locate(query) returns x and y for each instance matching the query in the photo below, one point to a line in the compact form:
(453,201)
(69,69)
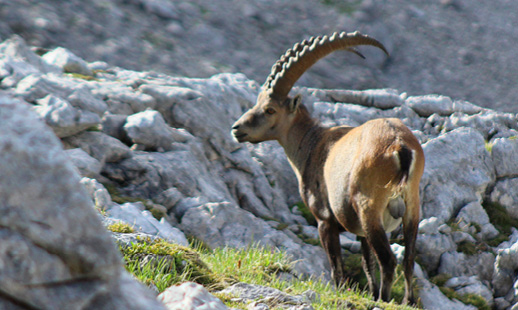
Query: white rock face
(451,177)
(190,296)
(51,232)
(166,140)
(67,60)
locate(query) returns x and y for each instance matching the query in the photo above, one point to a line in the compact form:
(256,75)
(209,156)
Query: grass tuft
(121,227)
(306,213)
(160,264)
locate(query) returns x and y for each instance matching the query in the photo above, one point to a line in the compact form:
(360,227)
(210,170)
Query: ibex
(364,179)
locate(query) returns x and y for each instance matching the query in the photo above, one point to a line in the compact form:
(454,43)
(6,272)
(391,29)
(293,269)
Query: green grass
(489,146)
(160,264)
(306,213)
(82,76)
(470,299)
(121,227)
(499,217)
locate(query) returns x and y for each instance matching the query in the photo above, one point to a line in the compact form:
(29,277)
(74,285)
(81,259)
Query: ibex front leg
(329,237)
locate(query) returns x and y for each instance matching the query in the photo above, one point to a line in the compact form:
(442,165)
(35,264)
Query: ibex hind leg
(369,267)
(377,239)
(410,227)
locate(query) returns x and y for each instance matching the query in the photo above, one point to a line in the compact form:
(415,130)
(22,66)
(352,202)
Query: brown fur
(347,177)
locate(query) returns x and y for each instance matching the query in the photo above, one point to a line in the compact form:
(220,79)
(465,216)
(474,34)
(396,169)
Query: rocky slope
(459,48)
(166,140)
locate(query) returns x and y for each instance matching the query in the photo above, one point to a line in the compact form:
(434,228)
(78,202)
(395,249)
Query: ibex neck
(300,141)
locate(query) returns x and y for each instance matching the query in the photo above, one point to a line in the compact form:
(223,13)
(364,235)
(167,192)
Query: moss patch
(306,213)
(162,264)
(121,227)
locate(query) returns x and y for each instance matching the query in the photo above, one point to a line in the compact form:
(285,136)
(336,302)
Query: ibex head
(275,111)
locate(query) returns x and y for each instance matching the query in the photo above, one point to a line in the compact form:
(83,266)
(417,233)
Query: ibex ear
(295,103)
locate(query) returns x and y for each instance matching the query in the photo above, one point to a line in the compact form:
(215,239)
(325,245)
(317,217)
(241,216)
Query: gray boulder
(505,193)
(459,264)
(100,146)
(244,292)
(64,118)
(474,213)
(68,61)
(56,253)
(433,299)
(190,296)
(452,178)
(431,104)
(504,275)
(470,285)
(225,224)
(431,247)
(135,215)
(100,196)
(505,156)
(86,165)
(149,129)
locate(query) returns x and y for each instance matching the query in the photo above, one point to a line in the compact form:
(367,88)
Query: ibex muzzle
(364,179)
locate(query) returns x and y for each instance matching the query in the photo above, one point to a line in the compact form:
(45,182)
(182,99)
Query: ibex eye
(270,111)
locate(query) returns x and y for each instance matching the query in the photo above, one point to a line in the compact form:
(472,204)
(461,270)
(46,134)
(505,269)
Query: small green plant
(161,264)
(499,217)
(489,146)
(467,248)
(306,213)
(82,76)
(152,261)
(471,299)
(121,227)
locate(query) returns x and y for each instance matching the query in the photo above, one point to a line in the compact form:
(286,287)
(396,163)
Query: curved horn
(290,67)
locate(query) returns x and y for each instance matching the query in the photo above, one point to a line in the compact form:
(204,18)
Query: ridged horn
(290,67)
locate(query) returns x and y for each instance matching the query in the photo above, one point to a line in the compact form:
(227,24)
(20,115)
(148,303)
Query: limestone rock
(505,156)
(452,178)
(100,196)
(432,298)
(506,195)
(431,247)
(470,285)
(86,165)
(224,224)
(68,61)
(52,235)
(63,118)
(100,146)
(190,296)
(149,129)
(135,215)
(431,104)
(260,294)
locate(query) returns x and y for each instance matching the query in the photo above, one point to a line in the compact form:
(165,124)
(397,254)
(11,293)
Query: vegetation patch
(157,211)
(121,227)
(306,213)
(160,264)
(470,299)
(499,217)
(357,278)
(82,76)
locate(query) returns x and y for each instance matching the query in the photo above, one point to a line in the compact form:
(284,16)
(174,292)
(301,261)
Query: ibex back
(365,179)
